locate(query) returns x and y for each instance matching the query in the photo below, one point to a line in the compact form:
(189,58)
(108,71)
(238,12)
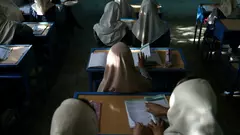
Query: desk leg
(195,33)
(90,82)
(199,36)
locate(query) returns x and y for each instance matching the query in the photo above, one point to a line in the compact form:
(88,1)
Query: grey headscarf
(110,29)
(74,117)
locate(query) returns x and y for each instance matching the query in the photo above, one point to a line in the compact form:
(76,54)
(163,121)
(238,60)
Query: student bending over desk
(11,10)
(13,32)
(110,29)
(126,10)
(192,111)
(43,10)
(227,9)
(149,28)
(74,117)
(121,75)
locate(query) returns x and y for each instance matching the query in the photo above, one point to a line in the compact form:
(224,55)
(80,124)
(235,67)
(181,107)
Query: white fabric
(7,27)
(228,6)
(126,9)
(42,6)
(193,106)
(149,27)
(110,29)
(11,10)
(74,117)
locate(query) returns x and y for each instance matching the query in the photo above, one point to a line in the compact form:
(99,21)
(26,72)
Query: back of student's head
(74,117)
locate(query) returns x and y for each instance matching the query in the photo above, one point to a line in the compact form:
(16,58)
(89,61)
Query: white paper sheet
(146,50)
(98,60)
(136,111)
(135,58)
(4,53)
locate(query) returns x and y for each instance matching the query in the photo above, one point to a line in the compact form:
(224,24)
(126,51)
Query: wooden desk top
(177,58)
(113,119)
(18,52)
(231,24)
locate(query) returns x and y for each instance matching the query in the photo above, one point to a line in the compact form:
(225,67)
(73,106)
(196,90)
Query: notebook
(38,29)
(97,106)
(136,110)
(4,52)
(100,59)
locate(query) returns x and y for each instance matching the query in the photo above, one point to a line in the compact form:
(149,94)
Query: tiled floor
(73,76)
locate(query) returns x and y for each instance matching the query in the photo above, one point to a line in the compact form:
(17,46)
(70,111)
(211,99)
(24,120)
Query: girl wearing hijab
(121,75)
(110,30)
(13,32)
(192,111)
(74,117)
(11,10)
(126,9)
(149,28)
(227,9)
(43,10)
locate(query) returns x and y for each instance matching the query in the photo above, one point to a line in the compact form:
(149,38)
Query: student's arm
(144,73)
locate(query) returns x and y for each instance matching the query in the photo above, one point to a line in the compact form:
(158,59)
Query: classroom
(119,67)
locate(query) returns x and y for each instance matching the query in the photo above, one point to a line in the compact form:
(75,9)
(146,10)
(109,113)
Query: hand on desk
(140,129)
(157,128)
(141,60)
(156,109)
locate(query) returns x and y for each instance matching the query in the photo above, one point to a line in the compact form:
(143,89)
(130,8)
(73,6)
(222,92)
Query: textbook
(97,106)
(99,59)
(4,52)
(137,111)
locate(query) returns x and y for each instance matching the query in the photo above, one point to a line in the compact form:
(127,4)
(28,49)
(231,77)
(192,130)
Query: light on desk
(114,109)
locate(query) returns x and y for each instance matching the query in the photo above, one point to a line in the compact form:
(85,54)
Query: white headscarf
(120,74)
(110,29)
(7,27)
(11,10)
(149,27)
(193,106)
(42,6)
(74,117)
(228,6)
(126,10)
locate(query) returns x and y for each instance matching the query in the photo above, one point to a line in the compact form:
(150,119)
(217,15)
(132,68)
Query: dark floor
(73,76)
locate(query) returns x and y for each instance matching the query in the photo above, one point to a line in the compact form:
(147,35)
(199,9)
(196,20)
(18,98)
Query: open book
(100,59)
(136,110)
(4,52)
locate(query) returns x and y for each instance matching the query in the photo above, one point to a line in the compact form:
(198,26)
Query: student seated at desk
(74,117)
(227,9)
(193,107)
(149,28)
(13,32)
(121,75)
(110,29)
(11,10)
(126,10)
(43,10)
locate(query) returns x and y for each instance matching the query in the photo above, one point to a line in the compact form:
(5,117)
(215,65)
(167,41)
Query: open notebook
(4,52)
(100,59)
(136,110)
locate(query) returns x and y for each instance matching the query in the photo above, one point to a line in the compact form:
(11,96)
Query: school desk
(162,78)
(113,119)
(46,30)
(17,66)
(203,11)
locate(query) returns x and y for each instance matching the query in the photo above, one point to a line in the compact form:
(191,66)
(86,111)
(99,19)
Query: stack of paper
(136,110)
(4,52)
